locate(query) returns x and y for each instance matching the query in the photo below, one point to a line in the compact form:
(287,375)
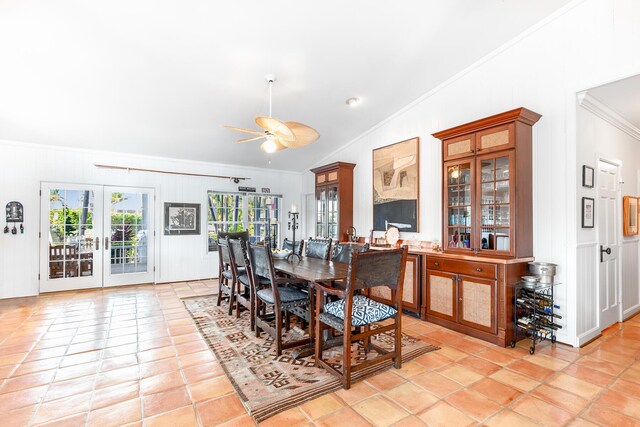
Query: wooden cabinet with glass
(334,200)
(484,162)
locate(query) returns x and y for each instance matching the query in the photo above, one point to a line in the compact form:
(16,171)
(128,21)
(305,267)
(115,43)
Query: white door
(608,241)
(93,236)
(70,237)
(129,235)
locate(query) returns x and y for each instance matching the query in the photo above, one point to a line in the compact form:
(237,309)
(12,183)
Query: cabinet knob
(478,269)
(461,299)
(436,263)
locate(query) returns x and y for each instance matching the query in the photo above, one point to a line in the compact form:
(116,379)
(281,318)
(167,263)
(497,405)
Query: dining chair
(243,289)
(288,245)
(226,275)
(318,248)
(355,311)
(342,251)
(279,295)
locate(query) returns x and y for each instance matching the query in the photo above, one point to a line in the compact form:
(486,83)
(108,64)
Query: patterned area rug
(268,384)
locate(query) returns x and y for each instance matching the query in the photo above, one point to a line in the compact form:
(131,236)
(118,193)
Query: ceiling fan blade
(277,142)
(304,134)
(251,131)
(275,127)
(251,139)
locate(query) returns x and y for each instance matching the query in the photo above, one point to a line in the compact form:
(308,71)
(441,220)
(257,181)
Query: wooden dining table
(313,270)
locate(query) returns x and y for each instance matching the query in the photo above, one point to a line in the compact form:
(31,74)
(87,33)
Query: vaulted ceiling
(160,77)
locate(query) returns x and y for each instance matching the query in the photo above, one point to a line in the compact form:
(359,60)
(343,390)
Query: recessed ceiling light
(353,101)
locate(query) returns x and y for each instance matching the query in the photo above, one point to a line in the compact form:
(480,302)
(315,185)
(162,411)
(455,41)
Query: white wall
(25,166)
(599,138)
(585,44)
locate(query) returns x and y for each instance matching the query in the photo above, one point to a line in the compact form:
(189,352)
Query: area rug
(268,384)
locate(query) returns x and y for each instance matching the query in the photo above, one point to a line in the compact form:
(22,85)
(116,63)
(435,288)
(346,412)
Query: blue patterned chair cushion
(287,295)
(364,311)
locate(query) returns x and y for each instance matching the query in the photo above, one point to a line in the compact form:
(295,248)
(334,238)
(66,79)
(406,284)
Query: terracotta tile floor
(132,356)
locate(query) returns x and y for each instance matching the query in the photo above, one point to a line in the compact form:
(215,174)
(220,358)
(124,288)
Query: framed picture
(588,212)
(630,215)
(587,176)
(396,186)
(181,219)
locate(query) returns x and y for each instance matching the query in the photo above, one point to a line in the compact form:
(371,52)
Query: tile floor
(132,356)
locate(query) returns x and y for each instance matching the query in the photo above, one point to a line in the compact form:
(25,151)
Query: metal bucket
(544,270)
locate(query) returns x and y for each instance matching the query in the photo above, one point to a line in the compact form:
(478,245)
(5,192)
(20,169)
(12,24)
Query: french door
(93,236)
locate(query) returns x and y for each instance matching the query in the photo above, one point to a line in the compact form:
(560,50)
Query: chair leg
(278,328)
(367,340)
(252,311)
(397,361)
(318,328)
(287,321)
(231,299)
(346,358)
(258,304)
(220,282)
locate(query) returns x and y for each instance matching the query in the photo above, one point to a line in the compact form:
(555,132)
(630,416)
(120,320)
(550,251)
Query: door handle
(603,251)
(97,243)
(106,243)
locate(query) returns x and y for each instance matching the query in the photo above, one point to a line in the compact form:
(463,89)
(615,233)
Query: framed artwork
(630,215)
(181,219)
(588,212)
(587,176)
(396,186)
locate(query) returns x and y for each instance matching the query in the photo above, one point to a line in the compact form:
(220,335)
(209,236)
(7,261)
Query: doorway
(609,243)
(93,236)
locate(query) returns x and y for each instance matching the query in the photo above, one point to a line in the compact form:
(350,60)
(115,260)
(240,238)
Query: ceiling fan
(278,135)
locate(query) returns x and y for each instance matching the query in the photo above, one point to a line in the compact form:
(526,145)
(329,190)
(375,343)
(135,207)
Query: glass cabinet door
(321,212)
(494,202)
(459,213)
(332,212)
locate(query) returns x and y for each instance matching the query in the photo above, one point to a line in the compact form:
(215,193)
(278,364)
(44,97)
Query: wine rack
(533,314)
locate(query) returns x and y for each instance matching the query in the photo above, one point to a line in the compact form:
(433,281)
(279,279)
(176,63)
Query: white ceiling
(622,97)
(160,77)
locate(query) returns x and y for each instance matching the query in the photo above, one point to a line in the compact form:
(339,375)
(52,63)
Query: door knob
(604,251)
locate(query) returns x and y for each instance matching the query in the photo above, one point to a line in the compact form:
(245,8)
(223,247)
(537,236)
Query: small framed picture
(181,218)
(587,176)
(588,212)
(630,215)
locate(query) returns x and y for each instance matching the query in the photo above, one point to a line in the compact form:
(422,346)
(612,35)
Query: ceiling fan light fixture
(269,145)
(353,101)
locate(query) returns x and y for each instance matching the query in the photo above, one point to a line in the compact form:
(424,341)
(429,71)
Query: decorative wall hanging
(181,219)
(587,176)
(588,205)
(15,214)
(630,215)
(396,186)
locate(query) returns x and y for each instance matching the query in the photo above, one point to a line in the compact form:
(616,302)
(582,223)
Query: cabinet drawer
(469,268)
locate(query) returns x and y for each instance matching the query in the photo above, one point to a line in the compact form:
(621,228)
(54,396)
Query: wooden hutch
(487,225)
(334,200)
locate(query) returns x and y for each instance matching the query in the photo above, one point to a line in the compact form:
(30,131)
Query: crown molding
(601,110)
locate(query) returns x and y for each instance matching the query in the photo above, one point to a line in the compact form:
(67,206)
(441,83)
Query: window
(230,212)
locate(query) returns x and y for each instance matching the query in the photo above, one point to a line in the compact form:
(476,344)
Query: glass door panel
(321,212)
(495,203)
(332,214)
(71,232)
(459,216)
(129,226)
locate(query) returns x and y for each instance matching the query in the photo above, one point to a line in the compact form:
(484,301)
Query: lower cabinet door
(441,295)
(477,303)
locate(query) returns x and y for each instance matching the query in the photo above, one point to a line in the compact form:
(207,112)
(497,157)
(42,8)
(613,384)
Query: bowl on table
(280,253)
